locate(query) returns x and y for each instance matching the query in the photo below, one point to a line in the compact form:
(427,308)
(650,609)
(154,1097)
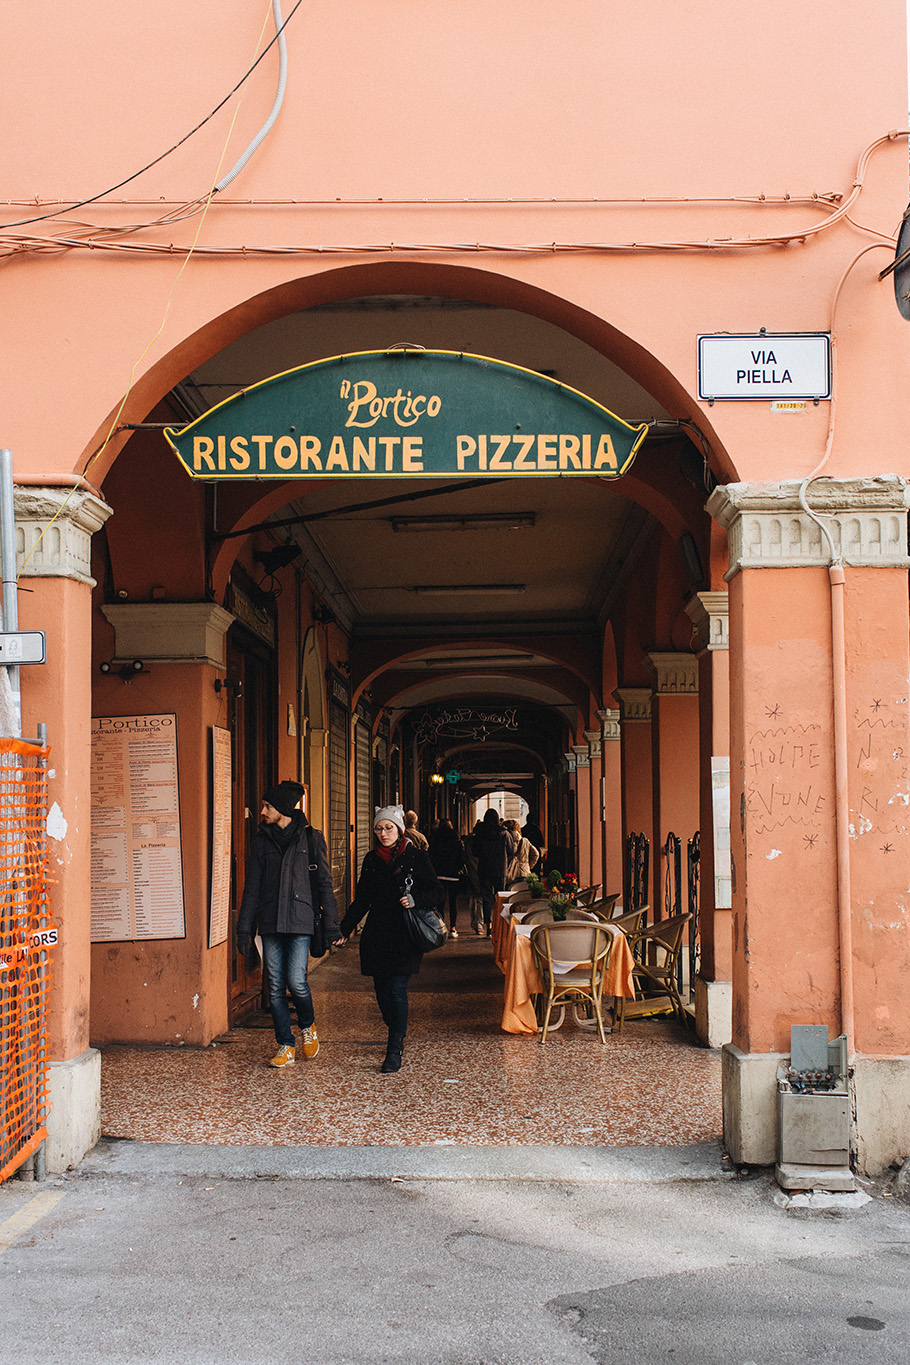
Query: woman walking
(387,953)
(447,857)
(523,855)
(493,849)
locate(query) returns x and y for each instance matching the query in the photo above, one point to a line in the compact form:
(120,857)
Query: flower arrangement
(563,889)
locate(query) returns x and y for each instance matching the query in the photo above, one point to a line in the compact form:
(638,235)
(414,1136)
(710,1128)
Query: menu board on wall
(137,866)
(221,836)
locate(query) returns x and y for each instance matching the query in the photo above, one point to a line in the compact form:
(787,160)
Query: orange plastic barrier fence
(26,938)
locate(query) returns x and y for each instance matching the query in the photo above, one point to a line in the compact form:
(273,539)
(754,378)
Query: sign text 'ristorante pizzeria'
(406,412)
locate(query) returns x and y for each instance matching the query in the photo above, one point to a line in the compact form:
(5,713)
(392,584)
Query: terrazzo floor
(463,1079)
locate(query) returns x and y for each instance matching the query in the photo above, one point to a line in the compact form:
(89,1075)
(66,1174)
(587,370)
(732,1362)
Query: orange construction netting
(26,937)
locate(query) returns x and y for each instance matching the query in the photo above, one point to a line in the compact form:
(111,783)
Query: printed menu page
(137,865)
(221,836)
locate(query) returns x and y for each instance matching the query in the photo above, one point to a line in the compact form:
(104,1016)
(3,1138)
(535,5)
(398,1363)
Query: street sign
(763,365)
(22,647)
(453,776)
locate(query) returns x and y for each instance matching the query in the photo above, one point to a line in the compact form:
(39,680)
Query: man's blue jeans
(285,958)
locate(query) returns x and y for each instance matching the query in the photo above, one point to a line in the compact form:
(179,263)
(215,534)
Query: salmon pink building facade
(680,214)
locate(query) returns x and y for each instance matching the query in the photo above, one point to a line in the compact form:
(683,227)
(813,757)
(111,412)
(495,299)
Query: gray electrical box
(814,1113)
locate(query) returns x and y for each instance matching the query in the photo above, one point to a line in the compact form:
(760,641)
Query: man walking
(288,889)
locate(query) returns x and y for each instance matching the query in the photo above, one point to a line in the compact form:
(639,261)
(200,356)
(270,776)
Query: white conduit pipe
(279,99)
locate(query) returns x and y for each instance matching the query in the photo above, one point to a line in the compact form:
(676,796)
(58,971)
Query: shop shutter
(338,798)
(363,818)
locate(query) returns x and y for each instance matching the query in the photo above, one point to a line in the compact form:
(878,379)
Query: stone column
(54,527)
(583,812)
(635,749)
(611,763)
(674,752)
(571,789)
(709,612)
(790,954)
(596,793)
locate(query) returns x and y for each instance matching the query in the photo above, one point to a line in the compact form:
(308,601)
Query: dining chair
(587,895)
(631,923)
(656,950)
(605,906)
(572,958)
(534,913)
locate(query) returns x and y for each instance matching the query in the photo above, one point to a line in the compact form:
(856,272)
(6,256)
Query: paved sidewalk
(442,1256)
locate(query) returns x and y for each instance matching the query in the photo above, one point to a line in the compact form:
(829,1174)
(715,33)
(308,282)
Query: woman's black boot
(393,1053)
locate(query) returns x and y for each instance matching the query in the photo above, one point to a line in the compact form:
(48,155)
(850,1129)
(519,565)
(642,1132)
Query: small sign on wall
(762,365)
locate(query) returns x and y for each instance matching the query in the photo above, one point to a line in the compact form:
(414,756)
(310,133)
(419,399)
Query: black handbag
(318,944)
(425,927)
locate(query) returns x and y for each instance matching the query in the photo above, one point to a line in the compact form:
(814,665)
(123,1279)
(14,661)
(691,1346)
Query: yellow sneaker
(284,1056)
(310,1043)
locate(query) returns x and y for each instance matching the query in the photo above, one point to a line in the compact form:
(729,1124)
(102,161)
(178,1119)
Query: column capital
(675,674)
(571,760)
(767,527)
(609,723)
(169,632)
(582,755)
(54,529)
(634,704)
(594,739)
(709,613)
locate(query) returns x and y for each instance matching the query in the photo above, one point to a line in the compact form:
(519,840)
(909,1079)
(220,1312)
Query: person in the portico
(288,866)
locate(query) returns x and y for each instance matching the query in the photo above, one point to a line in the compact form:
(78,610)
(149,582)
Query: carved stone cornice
(634,704)
(609,724)
(675,674)
(169,632)
(594,741)
(767,527)
(582,756)
(710,616)
(54,529)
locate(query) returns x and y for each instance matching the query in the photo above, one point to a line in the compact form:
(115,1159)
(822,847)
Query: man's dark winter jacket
(277,897)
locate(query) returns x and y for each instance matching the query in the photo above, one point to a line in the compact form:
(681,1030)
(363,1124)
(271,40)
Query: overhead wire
(115,421)
(81,203)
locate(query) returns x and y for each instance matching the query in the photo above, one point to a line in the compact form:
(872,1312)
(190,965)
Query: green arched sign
(406,412)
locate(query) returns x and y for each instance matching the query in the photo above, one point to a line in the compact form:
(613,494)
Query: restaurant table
(523,979)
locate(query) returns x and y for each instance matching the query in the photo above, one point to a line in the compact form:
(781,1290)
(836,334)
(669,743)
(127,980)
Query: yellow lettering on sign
(222,452)
(389,443)
(465,447)
(240,457)
(337,457)
(412,455)
(482,451)
(285,452)
(586,451)
(569,447)
(526,444)
(546,452)
(202,450)
(262,442)
(365,453)
(310,447)
(606,455)
(502,444)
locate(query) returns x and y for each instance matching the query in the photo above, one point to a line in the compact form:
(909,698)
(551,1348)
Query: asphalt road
(222,1255)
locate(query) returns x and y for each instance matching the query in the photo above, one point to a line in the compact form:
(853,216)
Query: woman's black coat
(385,945)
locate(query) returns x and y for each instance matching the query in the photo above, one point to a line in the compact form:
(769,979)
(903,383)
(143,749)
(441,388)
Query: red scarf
(387,854)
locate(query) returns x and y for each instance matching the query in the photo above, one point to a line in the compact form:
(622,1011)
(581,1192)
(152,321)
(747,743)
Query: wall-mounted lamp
(437,779)
(229,685)
(126,672)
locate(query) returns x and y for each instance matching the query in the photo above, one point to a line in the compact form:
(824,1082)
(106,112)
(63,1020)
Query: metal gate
(26,937)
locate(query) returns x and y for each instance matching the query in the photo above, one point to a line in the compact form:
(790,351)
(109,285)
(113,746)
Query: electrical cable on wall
(279,39)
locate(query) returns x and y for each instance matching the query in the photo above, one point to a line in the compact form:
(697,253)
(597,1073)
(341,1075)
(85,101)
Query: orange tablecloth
(523,978)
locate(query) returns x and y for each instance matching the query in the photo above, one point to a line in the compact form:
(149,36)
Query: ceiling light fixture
(483,521)
(468,589)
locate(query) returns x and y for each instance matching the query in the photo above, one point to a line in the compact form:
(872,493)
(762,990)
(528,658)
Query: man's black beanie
(284,797)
